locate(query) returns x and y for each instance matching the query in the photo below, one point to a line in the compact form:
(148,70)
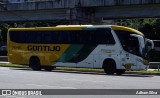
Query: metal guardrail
(155,64)
(3,58)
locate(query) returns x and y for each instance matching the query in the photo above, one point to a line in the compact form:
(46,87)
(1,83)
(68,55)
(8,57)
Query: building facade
(21,1)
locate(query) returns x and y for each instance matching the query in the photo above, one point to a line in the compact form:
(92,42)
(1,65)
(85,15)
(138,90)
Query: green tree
(149,26)
(0,35)
(4,29)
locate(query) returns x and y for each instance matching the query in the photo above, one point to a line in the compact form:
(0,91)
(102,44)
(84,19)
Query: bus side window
(63,37)
(39,38)
(110,38)
(47,37)
(91,37)
(30,39)
(132,45)
(80,37)
(77,37)
(55,37)
(73,37)
(21,37)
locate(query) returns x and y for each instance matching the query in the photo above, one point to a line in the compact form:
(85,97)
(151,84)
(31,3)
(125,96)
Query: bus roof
(116,27)
(78,27)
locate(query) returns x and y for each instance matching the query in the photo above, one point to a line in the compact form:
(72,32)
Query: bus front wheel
(109,67)
(34,63)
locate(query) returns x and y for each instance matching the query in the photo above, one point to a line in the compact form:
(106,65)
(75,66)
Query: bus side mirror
(149,45)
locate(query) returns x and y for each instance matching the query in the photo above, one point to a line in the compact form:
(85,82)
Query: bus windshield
(131,42)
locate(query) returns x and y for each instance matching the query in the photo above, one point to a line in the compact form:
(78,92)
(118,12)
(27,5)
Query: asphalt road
(19,78)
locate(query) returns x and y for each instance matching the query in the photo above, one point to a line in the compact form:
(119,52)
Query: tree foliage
(149,26)
(3,32)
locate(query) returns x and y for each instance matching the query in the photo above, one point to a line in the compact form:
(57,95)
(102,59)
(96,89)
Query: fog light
(128,66)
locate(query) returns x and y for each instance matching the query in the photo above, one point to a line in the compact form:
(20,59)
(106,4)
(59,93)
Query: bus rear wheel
(34,63)
(120,71)
(49,68)
(109,67)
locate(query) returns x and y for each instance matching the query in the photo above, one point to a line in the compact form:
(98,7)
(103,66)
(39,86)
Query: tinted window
(128,42)
(99,36)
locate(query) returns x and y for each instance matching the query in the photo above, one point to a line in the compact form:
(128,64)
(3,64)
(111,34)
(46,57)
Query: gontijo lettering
(43,48)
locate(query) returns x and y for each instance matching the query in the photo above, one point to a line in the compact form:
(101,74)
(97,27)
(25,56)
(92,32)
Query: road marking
(83,80)
(56,87)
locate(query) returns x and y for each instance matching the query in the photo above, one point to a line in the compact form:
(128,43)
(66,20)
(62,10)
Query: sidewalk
(4,62)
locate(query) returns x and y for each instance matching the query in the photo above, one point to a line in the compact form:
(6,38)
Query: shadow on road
(82,72)
(137,75)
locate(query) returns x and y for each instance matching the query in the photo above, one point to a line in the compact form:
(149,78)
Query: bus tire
(109,67)
(49,68)
(120,71)
(34,63)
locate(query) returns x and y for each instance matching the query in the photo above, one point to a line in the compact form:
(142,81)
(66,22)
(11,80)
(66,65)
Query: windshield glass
(142,45)
(131,42)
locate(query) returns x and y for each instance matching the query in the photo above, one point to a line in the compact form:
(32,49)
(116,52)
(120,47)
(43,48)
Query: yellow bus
(111,47)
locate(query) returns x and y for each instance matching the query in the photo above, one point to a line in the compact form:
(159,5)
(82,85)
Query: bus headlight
(143,61)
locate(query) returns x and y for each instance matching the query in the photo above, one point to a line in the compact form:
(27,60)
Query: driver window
(132,45)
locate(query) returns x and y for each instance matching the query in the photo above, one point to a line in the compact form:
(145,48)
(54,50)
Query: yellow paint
(48,28)
(116,27)
(19,54)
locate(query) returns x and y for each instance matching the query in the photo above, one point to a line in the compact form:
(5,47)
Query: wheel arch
(34,57)
(31,57)
(109,59)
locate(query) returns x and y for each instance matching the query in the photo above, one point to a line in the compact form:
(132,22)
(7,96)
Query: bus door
(139,48)
(133,50)
(88,62)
